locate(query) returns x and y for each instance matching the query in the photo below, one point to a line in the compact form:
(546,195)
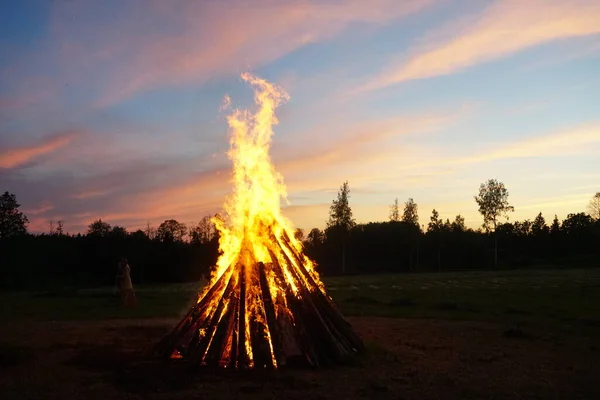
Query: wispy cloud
(16,157)
(572,142)
(151,44)
(371,141)
(575,202)
(576,141)
(504,28)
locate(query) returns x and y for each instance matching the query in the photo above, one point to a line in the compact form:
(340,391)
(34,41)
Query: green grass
(563,299)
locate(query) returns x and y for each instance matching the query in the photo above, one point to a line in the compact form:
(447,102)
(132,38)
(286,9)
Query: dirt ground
(407,359)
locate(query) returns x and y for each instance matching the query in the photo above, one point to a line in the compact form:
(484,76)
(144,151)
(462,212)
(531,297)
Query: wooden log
(198,353)
(233,358)
(333,317)
(305,340)
(308,303)
(182,333)
(285,323)
(214,352)
(305,326)
(305,313)
(261,350)
(269,311)
(242,355)
(229,349)
(325,331)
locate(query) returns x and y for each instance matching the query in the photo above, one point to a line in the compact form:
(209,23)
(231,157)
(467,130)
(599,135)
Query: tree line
(174,252)
(404,244)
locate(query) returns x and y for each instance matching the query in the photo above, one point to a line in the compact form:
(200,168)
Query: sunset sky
(112,109)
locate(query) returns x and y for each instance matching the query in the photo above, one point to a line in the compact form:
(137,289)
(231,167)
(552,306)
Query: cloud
(43,208)
(87,194)
(22,155)
(142,188)
(150,44)
(369,142)
(504,28)
(571,142)
(137,191)
(576,141)
(575,201)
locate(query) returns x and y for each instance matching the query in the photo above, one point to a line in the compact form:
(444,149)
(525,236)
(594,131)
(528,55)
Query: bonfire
(265,305)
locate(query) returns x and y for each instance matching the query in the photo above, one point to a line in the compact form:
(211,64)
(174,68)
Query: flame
(253,232)
(264,305)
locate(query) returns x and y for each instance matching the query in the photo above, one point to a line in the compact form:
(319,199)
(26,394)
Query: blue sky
(112,109)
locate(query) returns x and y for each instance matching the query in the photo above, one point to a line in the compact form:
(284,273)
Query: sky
(113,109)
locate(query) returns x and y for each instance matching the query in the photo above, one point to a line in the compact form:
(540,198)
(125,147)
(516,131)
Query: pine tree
(340,213)
(12,221)
(395,211)
(410,214)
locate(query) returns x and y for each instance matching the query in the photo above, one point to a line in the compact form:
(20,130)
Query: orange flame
(254,229)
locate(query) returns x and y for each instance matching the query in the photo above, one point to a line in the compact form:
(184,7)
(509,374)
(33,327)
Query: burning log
(251,328)
(303,329)
(265,306)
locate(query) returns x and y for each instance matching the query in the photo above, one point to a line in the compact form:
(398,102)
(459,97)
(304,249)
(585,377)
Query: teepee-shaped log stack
(240,323)
(265,305)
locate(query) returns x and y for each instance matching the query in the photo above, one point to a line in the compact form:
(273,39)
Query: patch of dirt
(11,356)
(407,358)
(402,302)
(362,300)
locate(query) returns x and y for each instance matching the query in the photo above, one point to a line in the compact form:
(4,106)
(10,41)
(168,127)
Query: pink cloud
(87,194)
(504,28)
(152,44)
(41,209)
(204,193)
(16,157)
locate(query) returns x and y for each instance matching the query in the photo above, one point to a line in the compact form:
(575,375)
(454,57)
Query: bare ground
(407,359)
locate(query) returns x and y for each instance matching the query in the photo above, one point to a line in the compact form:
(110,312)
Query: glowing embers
(240,324)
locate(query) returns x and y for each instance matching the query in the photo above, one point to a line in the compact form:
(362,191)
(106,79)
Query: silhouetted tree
(150,231)
(315,237)
(12,221)
(299,234)
(410,214)
(522,228)
(60,228)
(99,228)
(579,231)
(139,235)
(459,224)
(555,227)
(434,230)
(594,206)
(171,230)
(118,232)
(493,204)
(555,242)
(539,227)
(577,223)
(340,220)
(395,211)
(435,223)
(340,213)
(204,232)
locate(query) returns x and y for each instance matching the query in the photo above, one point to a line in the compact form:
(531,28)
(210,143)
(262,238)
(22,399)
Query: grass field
(503,334)
(565,299)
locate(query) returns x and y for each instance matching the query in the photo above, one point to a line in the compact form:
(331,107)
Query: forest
(174,252)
